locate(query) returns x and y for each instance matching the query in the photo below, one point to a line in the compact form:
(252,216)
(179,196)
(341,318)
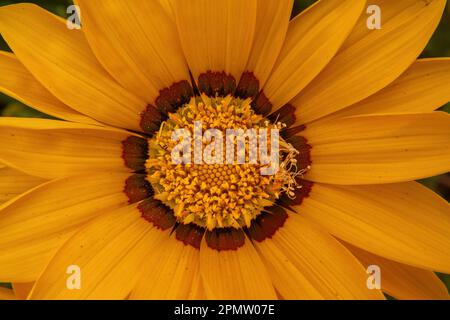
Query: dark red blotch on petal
(190,234)
(157,213)
(262,105)
(248,86)
(135,153)
(137,188)
(292,131)
(267,224)
(174,97)
(151,120)
(225,239)
(285,114)
(300,194)
(216,84)
(169,100)
(301,145)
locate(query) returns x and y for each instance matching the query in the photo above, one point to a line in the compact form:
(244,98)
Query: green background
(439,46)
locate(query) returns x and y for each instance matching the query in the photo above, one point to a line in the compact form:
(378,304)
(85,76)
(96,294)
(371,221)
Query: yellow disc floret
(217,195)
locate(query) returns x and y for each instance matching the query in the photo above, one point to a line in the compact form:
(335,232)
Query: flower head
(102,193)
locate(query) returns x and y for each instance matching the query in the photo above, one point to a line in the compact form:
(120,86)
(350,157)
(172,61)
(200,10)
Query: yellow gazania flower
(98,195)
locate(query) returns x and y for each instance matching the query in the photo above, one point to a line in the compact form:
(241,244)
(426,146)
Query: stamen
(289,171)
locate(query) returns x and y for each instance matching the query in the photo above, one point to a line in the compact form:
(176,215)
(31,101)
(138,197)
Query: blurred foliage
(439,46)
(6,285)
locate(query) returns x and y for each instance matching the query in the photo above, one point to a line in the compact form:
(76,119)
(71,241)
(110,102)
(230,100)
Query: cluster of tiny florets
(215,195)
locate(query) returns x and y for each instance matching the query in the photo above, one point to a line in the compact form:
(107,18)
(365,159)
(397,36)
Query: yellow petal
(316,265)
(55,149)
(22,290)
(389,11)
(136,42)
(404,222)
(17,82)
(169,271)
(107,253)
(369,63)
(216,35)
(424,87)
(7,294)
(286,277)
(272,22)
(39,221)
(313,39)
(379,148)
(234,274)
(402,281)
(62,61)
(168,6)
(13,183)
(197,290)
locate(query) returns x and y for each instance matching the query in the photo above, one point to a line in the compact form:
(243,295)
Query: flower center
(208,186)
